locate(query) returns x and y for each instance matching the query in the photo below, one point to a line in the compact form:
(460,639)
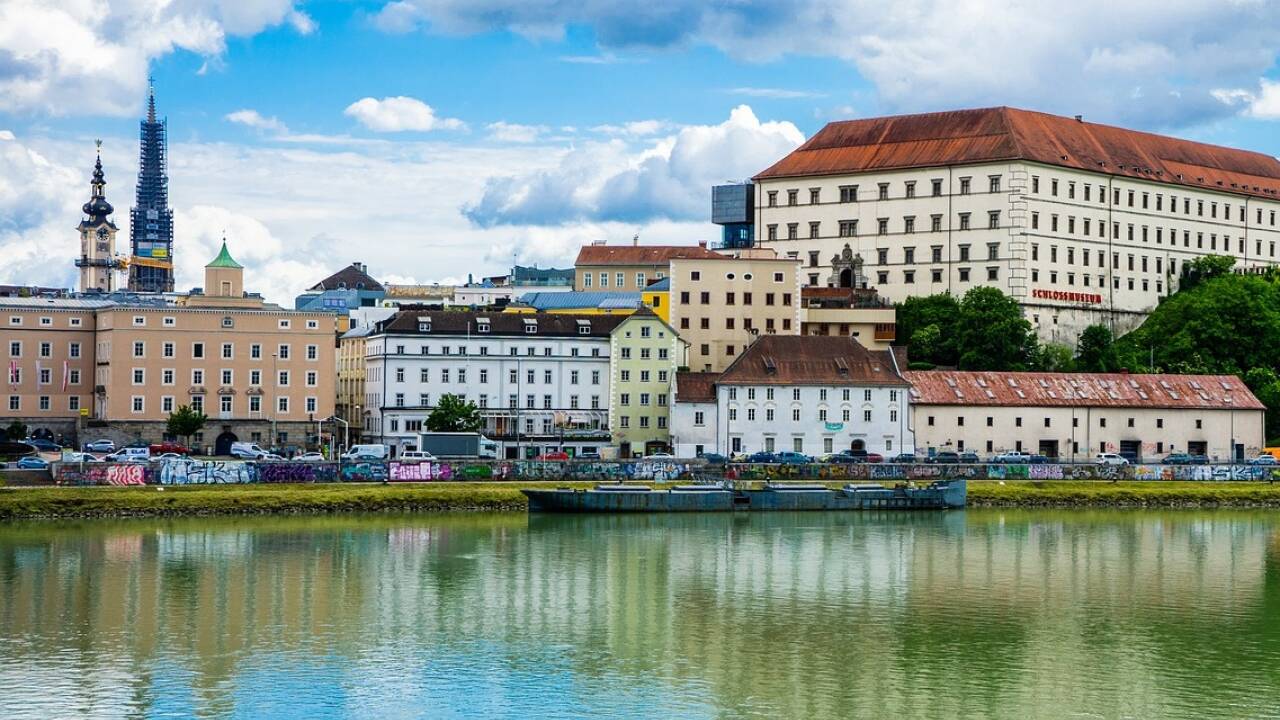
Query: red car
(554,456)
(169,447)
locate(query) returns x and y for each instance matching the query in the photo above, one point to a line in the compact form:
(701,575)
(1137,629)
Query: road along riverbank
(196,500)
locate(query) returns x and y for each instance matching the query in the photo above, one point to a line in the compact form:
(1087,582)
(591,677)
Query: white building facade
(541,381)
(1081,223)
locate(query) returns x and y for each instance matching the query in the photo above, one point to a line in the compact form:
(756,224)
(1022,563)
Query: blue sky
(436,138)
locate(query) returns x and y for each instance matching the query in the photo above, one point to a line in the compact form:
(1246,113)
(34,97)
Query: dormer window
(584,327)
(424,324)
(482,325)
(530,327)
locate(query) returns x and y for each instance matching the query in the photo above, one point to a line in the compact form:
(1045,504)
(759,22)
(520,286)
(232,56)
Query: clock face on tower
(103,233)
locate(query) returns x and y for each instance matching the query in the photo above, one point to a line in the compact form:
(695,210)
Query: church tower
(97,260)
(151,219)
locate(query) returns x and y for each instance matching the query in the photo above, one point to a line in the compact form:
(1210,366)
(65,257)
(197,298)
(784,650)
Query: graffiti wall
(205,472)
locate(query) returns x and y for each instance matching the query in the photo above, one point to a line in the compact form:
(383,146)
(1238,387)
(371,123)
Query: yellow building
(644,354)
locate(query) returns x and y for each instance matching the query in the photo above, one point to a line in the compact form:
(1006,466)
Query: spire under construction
(151,219)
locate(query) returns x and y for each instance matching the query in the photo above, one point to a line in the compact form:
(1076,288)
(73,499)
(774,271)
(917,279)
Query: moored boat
(939,495)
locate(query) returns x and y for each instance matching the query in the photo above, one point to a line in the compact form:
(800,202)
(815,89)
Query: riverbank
(204,500)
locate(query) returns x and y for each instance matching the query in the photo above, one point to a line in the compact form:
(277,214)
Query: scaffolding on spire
(151,219)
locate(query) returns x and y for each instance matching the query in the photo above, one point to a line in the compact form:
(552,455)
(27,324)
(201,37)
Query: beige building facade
(1075,416)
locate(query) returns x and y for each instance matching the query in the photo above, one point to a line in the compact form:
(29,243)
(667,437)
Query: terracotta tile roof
(958,387)
(458,322)
(349,277)
(811,360)
(696,387)
(641,254)
(1003,133)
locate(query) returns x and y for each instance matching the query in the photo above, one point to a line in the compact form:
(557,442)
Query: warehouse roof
(640,254)
(422,321)
(580,300)
(1002,133)
(811,360)
(1022,389)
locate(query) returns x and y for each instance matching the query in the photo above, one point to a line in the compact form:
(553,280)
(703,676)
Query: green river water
(982,614)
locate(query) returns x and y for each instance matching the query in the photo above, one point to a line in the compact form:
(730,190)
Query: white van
(416,456)
(247,451)
(129,454)
(367,452)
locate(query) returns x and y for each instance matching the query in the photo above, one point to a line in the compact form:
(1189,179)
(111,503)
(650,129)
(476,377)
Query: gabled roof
(351,277)
(1023,389)
(640,254)
(1002,133)
(696,387)
(459,322)
(811,360)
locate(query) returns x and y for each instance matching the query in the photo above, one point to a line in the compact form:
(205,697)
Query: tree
(1265,385)
(1053,357)
(185,422)
(17,430)
(1095,351)
(1205,268)
(454,414)
(990,332)
(915,314)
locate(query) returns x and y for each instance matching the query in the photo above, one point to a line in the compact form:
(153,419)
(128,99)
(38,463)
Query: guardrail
(220,472)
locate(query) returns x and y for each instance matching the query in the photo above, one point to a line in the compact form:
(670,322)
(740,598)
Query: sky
(438,139)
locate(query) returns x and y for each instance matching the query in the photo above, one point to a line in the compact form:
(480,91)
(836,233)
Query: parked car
(165,446)
(310,457)
(79,457)
(555,455)
(840,458)
(271,457)
(1041,460)
(712,458)
(32,462)
(1264,460)
(247,451)
(167,457)
(763,456)
(1176,459)
(1199,460)
(904,458)
(43,445)
(969,458)
(411,456)
(790,457)
(588,455)
(367,452)
(129,454)
(1110,459)
(1011,456)
(946,457)
(659,456)
(139,443)
(100,446)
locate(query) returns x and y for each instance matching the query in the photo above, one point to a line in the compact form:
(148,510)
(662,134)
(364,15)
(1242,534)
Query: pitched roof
(351,277)
(1003,133)
(811,360)
(577,300)
(640,254)
(696,387)
(459,322)
(958,387)
(224,259)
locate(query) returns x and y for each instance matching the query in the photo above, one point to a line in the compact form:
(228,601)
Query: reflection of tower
(151,220)
(97,235)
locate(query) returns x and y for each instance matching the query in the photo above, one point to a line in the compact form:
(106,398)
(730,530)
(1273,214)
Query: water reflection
(978,614)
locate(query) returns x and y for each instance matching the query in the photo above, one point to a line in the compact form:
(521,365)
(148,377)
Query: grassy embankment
(73,502)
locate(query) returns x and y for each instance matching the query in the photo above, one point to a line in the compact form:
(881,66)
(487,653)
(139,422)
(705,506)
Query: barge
(938,495)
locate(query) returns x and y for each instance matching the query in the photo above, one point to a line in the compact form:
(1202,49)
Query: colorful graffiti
(129,474)
(205,472)
(295,472)
(364,472)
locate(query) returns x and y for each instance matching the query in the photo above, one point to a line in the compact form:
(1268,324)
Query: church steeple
(97,259)
(98,208)
(151,218)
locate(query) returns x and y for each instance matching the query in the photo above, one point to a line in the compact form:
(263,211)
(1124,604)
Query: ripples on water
(976,614)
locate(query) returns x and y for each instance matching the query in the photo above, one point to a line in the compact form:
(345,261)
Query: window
(994,183)
(226,378)
(964,221)
(197,350)
(282,403)
(283,378)
(137,404)
(313,352)
(910,189)
(909,224)
(884,191)
(848,228)
(793,197)
(993,220)
(848,193)
(936,187)
(964,185)
(882,226)
(935,223)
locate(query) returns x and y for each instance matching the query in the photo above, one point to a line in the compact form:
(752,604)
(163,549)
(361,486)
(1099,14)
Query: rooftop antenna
(635,239)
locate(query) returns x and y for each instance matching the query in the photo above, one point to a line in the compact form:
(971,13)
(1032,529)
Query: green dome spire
(224,259)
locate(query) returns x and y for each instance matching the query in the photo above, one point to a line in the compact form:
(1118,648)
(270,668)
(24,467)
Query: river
(983,614)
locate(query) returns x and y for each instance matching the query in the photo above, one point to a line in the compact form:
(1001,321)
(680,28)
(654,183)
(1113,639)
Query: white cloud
(516,133)
(254,119)
(774,93)
(398,114)
(611,181)
(1152,63)
(73,56)
(1263,103)
(635,128)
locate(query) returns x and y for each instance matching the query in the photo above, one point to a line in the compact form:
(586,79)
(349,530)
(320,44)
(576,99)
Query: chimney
(1079,118)
(635,240)
(702,244)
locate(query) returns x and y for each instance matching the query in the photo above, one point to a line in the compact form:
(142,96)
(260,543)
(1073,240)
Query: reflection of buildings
(818,615)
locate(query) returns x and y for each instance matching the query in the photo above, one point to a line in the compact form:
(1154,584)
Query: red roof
(641,254)
(811,360)
(1003,133)
(692,387)
(1022,389)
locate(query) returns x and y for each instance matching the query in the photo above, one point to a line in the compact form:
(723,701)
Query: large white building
(541,381)
(1082,223)
(803,393)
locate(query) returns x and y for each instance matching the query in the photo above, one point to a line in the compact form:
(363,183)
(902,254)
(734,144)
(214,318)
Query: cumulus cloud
(1262,103)
(1132,62)
(514,132)
(254,119)
(68,56)
(610,181)
(635,128)
(398,114)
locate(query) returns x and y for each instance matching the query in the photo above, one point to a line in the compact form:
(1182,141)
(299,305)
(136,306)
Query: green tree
(185,422)
(454,414)
(1053,357)
(915,314)
(1205,268)
(1095,351)
(991,334)
(1265,384)
(17,430)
